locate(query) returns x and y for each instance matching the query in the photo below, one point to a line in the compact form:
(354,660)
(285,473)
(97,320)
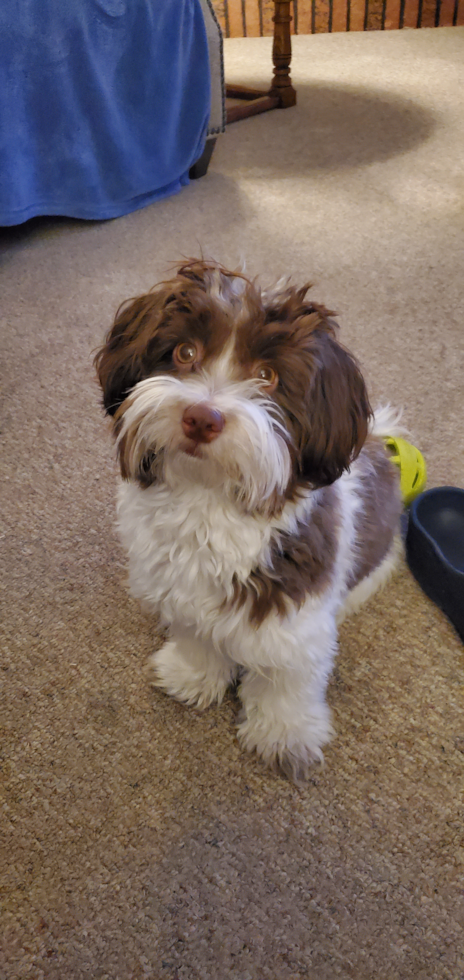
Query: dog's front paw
(289,748)
(194,683)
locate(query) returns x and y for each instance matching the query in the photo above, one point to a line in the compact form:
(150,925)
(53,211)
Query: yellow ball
(411,464)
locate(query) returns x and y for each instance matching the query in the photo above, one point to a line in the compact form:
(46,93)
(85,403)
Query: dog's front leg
(191,670)
(285,717)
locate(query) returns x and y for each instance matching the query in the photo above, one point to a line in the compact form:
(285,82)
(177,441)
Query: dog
(258,504)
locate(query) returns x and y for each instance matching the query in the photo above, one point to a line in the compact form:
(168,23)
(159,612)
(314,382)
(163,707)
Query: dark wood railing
(254,18)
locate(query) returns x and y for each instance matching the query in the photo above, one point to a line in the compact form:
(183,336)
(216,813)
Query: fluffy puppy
(257,503)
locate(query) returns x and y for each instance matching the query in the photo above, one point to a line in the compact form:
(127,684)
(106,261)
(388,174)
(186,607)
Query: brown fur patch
(133,467)
(301,564)
(378,520)
(321,390)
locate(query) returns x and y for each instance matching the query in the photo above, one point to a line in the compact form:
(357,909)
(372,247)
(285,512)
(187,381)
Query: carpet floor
(140,841)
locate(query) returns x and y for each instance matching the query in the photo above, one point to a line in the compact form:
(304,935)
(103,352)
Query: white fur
(190,535)
(251,457)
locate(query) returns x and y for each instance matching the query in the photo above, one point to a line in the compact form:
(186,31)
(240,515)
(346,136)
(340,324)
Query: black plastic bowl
(435,549)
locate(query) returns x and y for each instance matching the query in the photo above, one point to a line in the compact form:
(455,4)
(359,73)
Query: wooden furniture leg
(199,168)
(281,94)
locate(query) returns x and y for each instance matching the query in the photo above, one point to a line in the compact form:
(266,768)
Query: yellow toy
(411,464)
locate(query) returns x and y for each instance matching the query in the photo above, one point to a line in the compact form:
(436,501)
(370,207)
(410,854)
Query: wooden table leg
(282,55)
(281,95)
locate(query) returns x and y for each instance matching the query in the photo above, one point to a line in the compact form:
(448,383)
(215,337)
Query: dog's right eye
(185,354)
(268,375)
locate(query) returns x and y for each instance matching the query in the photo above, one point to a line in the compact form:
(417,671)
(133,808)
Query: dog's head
(210,378)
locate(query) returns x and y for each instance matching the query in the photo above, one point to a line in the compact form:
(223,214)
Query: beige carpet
(140,842)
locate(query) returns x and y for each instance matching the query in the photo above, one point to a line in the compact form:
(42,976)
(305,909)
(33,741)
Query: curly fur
(248,539)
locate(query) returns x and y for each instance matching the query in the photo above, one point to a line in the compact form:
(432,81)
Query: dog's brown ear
(337,413)
(120,363)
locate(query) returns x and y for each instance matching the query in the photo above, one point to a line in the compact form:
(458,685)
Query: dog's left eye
(267,374)
(185,353)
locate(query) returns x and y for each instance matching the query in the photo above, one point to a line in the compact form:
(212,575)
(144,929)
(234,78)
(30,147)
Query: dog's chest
(186,549)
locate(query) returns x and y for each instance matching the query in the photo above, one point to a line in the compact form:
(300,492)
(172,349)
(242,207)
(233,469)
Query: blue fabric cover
(104,104)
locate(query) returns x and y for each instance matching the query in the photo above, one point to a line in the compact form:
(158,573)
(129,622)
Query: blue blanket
(104,104)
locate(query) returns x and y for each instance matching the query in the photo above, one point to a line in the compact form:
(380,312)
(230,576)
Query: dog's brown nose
(202,423)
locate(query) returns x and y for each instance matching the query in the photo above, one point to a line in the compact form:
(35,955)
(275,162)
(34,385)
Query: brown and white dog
(258,504)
